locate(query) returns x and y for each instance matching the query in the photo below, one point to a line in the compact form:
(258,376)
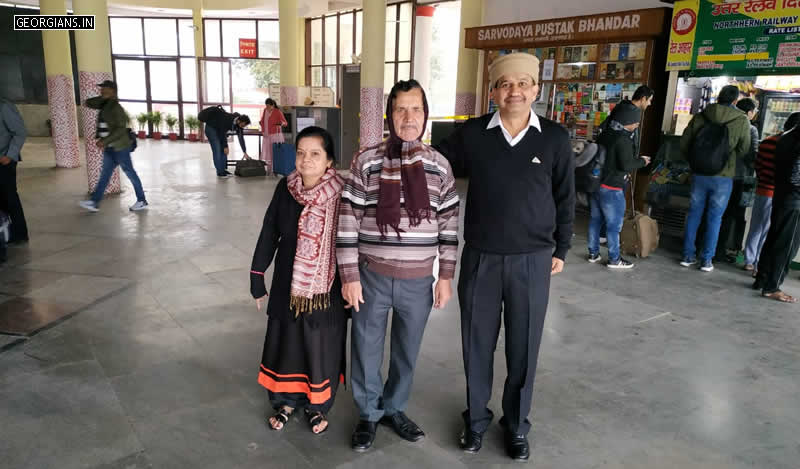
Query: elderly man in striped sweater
(399,209)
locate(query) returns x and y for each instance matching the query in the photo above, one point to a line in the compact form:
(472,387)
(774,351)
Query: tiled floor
(659,367)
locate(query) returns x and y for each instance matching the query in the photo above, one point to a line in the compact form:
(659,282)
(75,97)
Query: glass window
(388,78)
(130,79)
(316,42)
(330,40)
(403,71)
(160,37)
(189,79)
(163,80)
(211,28)
(330,77)
(359,30)
(232,31)
(167,109)
(346,38)
(404,51)
(216,86)
(316,76)
(391,33)
(189,109)
(126,36)
(186,35)
(133,110)
(268,39)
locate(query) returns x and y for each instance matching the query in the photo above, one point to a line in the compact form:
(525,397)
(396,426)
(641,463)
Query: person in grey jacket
(12,137)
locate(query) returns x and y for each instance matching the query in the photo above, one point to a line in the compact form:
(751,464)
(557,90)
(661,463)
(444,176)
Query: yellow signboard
(681,37)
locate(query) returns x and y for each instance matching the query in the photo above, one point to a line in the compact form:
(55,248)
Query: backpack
(134,143)
(208,113)
(709,151)
(589,175)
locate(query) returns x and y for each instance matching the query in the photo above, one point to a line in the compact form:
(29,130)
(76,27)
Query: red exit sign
(247,48)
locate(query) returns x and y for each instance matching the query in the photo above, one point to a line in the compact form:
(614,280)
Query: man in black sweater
(608,202)
(517,231)
(783,240)
(218,123)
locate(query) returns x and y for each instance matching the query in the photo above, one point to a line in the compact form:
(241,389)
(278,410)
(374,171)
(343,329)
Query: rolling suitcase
(283,156)
(639,236)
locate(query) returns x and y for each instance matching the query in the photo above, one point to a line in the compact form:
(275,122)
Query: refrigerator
(774,109)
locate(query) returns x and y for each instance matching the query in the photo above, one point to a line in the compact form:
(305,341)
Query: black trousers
(731,231)
(10,203)
(515,288)
(780,248)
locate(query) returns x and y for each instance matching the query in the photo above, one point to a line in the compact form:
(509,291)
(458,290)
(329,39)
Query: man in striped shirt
(762,205)
(399,209)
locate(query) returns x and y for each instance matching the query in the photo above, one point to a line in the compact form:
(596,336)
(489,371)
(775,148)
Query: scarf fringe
(301,304)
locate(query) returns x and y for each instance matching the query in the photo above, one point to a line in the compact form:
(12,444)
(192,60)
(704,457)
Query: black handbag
(248,167)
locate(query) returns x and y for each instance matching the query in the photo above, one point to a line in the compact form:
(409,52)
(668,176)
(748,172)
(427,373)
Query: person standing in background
(272,124)
(762,204)
(12,137)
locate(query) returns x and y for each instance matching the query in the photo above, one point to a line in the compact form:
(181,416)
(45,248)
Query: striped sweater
(765,166)
(411,255)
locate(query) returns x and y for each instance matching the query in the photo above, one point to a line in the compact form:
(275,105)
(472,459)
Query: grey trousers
(411,301)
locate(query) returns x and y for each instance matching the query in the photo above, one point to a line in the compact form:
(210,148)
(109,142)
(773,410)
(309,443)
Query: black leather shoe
(403,426)
(517,447)
(364,435)
(471,441)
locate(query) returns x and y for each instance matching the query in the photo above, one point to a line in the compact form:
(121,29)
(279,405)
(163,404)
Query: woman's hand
(261,301)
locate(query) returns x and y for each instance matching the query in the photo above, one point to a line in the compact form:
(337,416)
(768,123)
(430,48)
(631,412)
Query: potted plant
(171,122)
(141,119)
(155,121)
(193,124)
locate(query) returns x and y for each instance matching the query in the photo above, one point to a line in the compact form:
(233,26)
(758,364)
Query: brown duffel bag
(248,167)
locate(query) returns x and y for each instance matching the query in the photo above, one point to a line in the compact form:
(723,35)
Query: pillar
(197,22)
(466,83)
(290,74)
(60,89)
(422,45)
(93,49)
(301,51)
(372,65)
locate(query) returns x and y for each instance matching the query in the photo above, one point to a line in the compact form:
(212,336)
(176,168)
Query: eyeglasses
(523,85)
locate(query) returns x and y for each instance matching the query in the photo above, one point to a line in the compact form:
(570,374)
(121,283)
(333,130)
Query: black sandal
(282,417)
(316,418)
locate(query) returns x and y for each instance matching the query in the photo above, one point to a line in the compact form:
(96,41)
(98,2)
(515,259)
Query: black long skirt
(303,361)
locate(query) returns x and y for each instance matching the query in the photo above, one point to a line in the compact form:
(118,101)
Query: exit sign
(247,48)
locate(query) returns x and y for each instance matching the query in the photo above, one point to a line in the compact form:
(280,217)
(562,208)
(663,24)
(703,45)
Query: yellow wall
(373,44)
(471,15)
(57,58)
(93,48)
(290,74)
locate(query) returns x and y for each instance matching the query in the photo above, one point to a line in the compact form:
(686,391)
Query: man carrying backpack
(218,123)
(713,142)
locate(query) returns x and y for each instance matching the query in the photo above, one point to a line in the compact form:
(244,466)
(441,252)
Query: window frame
(222,37)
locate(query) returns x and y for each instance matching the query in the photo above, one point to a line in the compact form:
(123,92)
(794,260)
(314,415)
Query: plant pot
(173,136)
(192,137)
(156,135)
(142,134)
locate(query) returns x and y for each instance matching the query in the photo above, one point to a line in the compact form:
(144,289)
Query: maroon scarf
(403,173)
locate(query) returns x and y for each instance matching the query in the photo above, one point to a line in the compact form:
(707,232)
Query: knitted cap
(626,113)
(518,62)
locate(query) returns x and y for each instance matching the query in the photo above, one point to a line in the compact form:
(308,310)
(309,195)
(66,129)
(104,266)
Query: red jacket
(274,121)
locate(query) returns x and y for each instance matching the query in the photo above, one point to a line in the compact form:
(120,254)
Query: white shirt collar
(533,121)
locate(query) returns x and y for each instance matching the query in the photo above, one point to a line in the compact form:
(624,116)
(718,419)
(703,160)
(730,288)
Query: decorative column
(422,45)
(372,65)
(60,89)
(466,83)
(301,51)
(290,77)
(197,22)
(93,49)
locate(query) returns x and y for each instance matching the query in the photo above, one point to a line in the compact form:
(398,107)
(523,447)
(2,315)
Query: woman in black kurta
(304,351)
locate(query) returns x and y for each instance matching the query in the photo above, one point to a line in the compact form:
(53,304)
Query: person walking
(783,239)
(399,209)
(12,138)
(713,190)
(304,350)
(113,136)
(762,203)
(272,124)
(218,123)
(518,229)
(607,204)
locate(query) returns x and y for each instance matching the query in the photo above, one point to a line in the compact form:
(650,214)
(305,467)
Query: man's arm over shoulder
(452,148)
(351,211)
(447,219)
(563,190)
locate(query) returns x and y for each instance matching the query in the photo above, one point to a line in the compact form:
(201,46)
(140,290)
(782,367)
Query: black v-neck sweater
(521,199)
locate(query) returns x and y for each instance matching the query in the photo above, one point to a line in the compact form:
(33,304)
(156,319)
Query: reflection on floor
(155,360)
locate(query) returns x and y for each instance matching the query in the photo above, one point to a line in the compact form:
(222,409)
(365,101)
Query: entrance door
(147,85)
